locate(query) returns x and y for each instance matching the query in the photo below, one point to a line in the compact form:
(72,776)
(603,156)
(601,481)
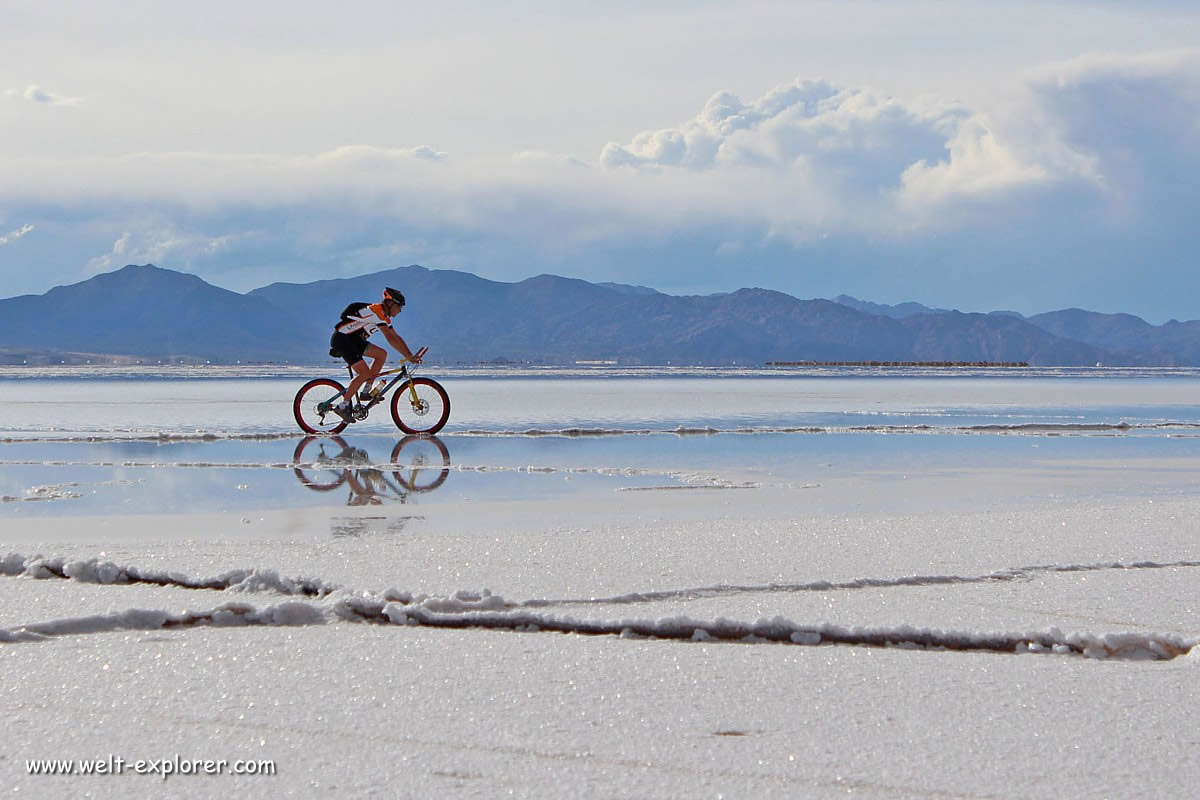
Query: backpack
(351,311)
(348,313)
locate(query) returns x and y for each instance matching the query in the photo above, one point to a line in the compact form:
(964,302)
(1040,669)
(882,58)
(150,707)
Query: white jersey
(364,319)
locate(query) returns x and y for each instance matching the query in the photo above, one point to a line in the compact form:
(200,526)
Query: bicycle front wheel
(313,406)
(420,406)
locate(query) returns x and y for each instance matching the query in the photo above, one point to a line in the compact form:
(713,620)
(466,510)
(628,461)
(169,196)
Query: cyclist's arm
(397,342)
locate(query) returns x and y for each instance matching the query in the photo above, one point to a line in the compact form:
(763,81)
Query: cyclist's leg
(361,373)
(378,357)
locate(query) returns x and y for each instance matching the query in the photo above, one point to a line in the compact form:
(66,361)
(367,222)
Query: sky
(977,155)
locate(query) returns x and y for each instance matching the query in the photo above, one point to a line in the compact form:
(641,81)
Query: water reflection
(417,464)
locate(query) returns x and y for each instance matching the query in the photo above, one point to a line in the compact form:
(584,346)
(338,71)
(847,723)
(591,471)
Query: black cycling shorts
(348,346)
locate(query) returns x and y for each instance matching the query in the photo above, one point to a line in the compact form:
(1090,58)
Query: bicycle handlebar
(419,354)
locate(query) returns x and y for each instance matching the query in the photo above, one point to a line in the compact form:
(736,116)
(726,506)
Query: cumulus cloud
(978,163)
(877,161)
(1107,125)
(807,120)
(36,94)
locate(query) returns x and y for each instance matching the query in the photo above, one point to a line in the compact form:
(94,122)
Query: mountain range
(146,313)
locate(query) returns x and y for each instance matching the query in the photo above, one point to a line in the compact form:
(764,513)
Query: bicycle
(418,464)
(420,406)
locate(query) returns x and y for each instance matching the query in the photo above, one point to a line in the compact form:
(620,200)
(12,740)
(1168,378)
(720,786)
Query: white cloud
(1136,120)
(1140,112)
(1108,68)
(727,132)
(161,242)
(17,234)
(787,184)
(370,157)
(978,163)
(880,164)
(807,160)
(1109,125)
(36,94)
(114,258)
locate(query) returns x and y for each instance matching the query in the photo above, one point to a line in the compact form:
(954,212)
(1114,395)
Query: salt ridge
(1001,576)
(465,609)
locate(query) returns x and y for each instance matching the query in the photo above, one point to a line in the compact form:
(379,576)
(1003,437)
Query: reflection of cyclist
(349,342)
(365,492)
(418,464)
(364,481)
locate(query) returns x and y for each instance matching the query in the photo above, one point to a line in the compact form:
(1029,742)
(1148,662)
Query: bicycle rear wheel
(312,406)
(315,468)
(427,413)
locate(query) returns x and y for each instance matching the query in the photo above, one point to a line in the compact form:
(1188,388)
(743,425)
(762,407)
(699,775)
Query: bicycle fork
(412,387)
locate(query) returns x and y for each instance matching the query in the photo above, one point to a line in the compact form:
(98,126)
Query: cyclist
(349,342)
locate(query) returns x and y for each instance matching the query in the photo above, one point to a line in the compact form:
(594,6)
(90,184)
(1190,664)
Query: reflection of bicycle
(418,464)
(420,405)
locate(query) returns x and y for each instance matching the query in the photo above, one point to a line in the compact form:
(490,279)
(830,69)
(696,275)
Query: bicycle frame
(401,374)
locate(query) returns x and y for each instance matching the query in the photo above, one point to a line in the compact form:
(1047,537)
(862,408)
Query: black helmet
(394,295)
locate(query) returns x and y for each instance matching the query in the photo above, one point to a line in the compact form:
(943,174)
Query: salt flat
(359,708)
(899,612)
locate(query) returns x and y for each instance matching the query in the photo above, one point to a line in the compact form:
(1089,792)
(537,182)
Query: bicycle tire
(428,415)
(318,481)
(426,454)
(304,407)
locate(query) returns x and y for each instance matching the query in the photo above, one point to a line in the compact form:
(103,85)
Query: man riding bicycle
(349,342)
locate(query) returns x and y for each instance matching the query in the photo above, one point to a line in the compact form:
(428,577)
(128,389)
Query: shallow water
(698,536)
(225,401)
(97,443)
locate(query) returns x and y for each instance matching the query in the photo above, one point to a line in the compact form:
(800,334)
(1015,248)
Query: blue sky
(974,155)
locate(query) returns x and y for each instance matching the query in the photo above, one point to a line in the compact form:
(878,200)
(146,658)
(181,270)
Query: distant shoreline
(772,370)
(984,364)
